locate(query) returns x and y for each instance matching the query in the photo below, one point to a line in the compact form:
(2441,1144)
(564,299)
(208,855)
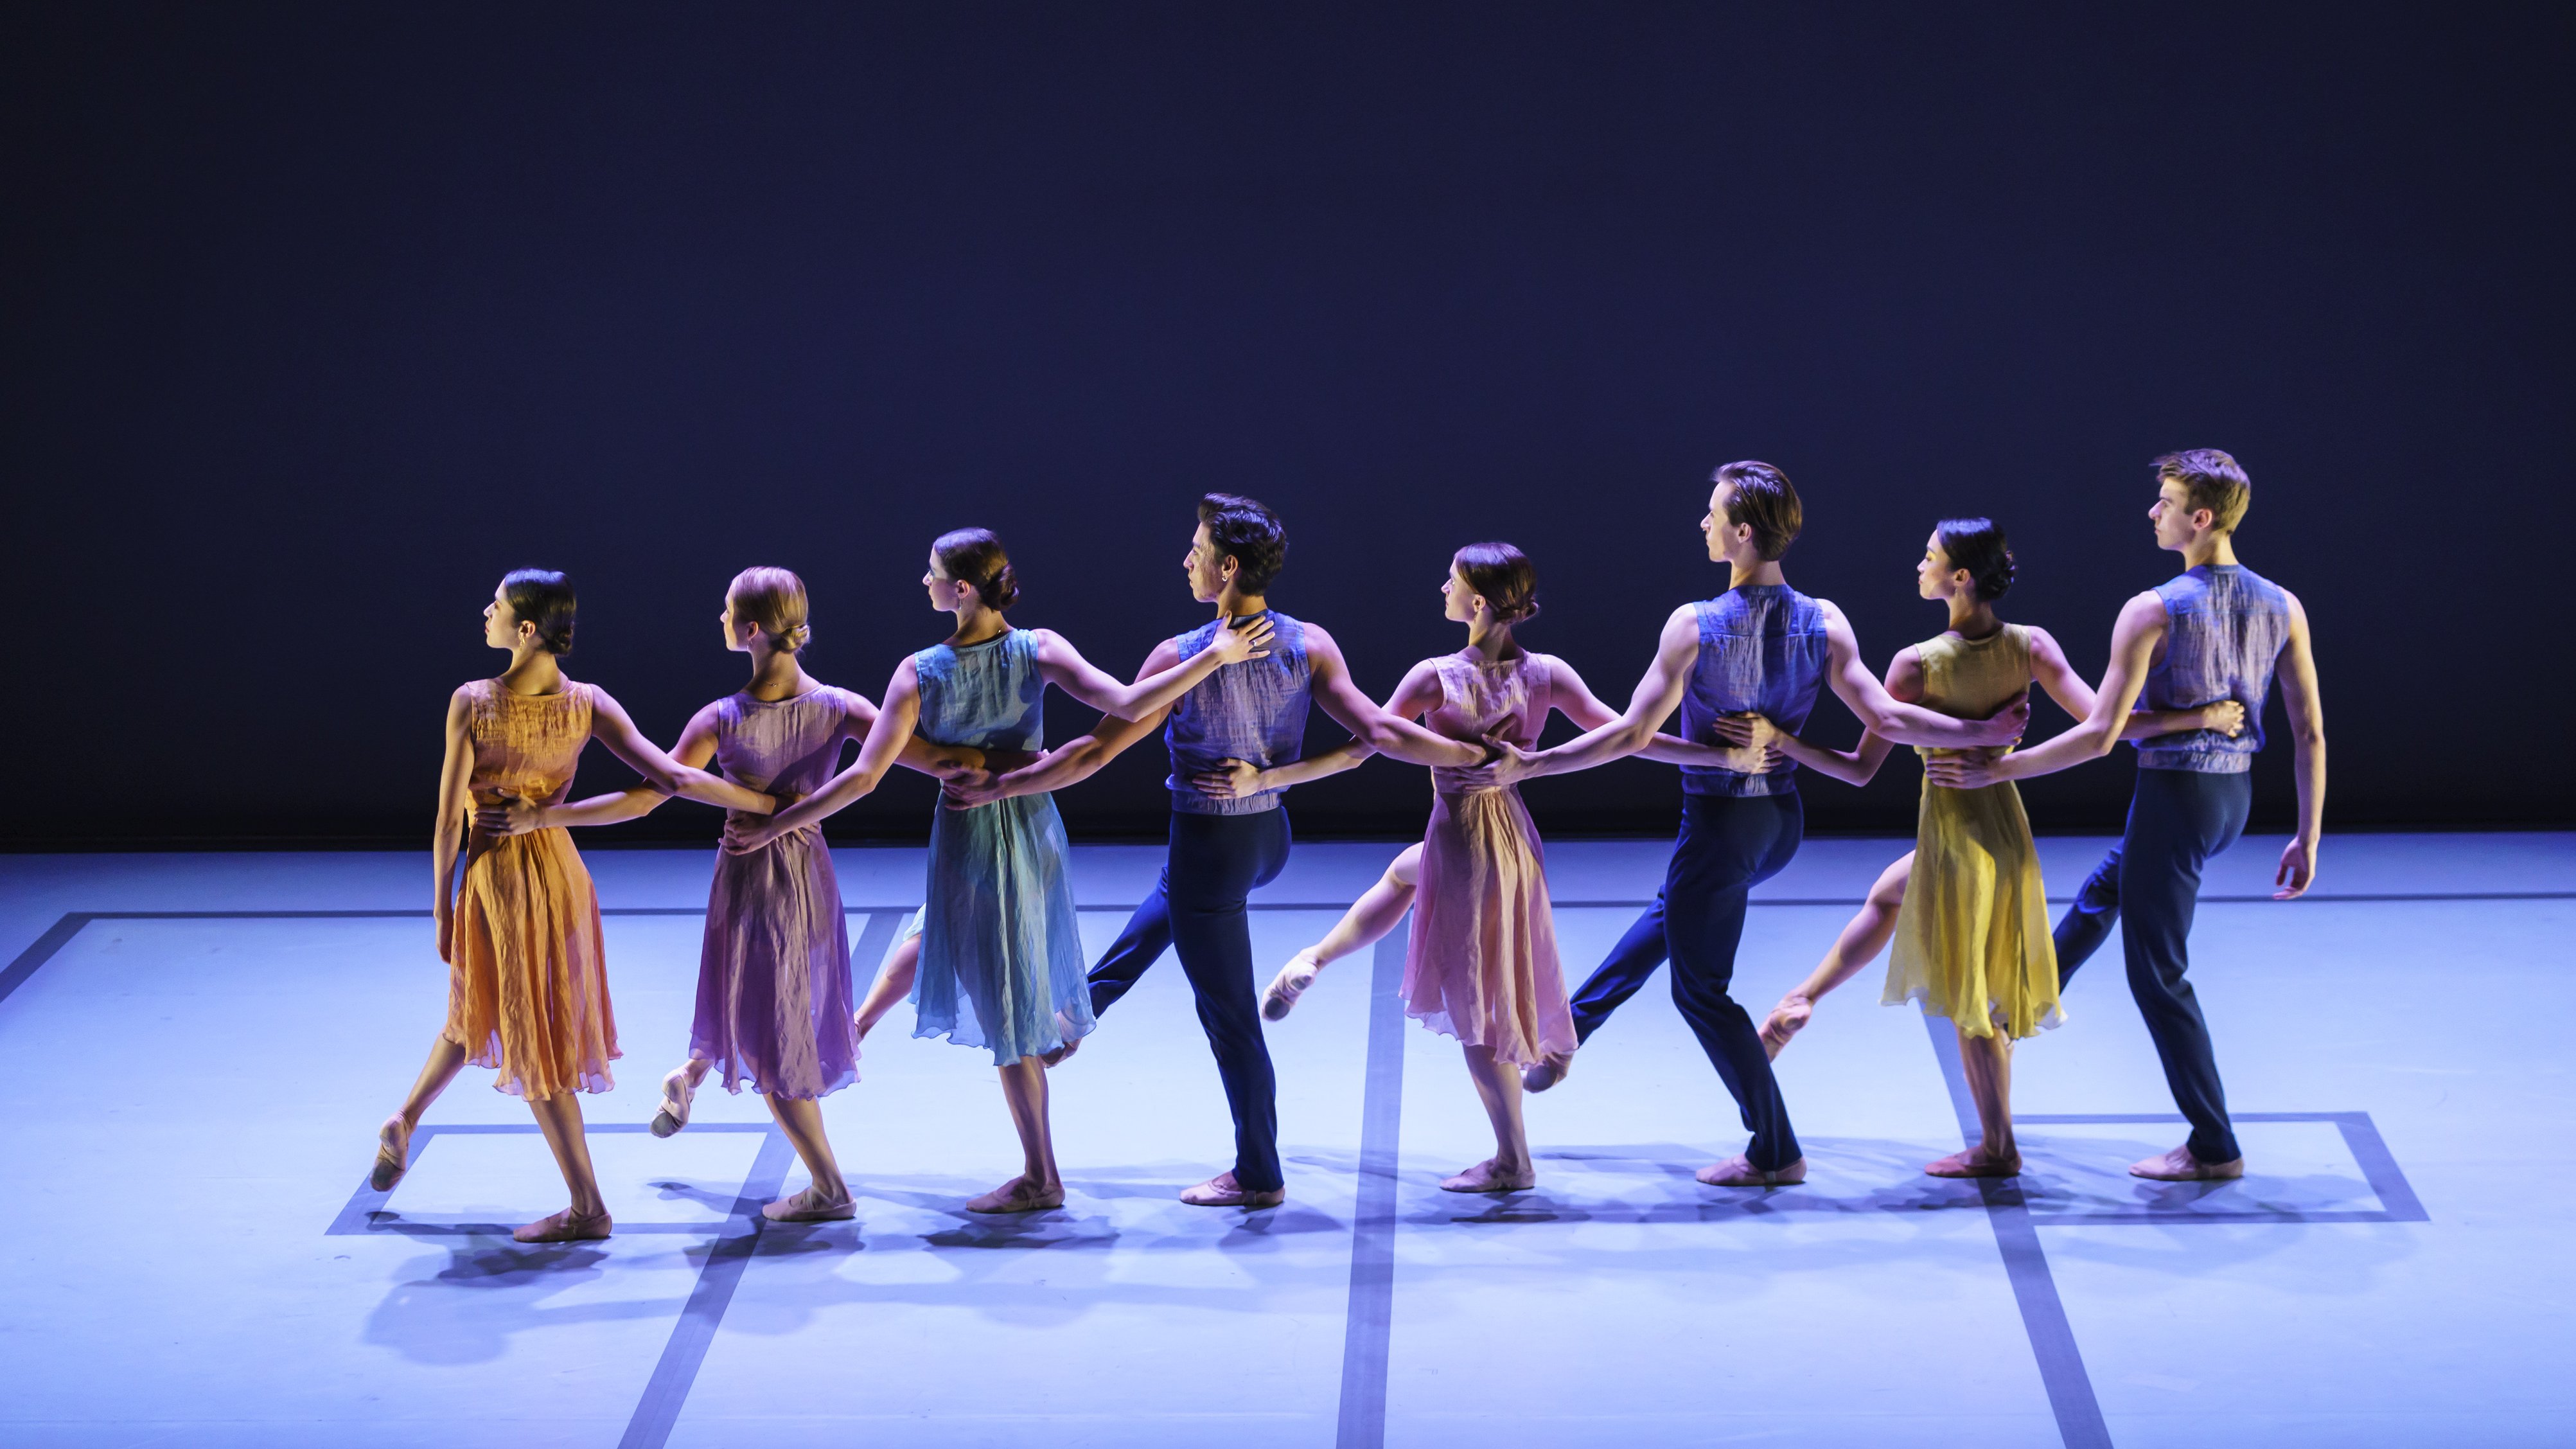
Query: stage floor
(203,1045)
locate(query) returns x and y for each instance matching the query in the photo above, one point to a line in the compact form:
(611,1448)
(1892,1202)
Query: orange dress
(527,991)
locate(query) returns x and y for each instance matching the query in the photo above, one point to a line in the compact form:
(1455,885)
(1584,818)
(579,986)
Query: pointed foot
(393,1154)
(1281,995)
(1546,1072)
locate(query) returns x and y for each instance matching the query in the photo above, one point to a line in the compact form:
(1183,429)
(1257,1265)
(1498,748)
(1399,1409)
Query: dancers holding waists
(993,958)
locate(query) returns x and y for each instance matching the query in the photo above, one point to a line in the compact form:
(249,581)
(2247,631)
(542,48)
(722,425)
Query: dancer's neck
(532,671)
(977,624)
(1972,617)
(2210,548)
(775,675)
(1239,606)
(1740,572)
(1490,641)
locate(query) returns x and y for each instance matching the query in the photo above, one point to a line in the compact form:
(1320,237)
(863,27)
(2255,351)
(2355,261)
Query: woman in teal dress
(1001,961)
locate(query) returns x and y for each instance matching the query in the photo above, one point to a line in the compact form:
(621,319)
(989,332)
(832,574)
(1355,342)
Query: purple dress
(774,974)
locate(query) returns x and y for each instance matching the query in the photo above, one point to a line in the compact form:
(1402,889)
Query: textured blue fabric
(2226,628)
(1253,711)
(1000,951)
(1761,648)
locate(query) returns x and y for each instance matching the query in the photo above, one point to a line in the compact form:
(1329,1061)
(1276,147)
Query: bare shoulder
(1319,641)
(2042,643)
(1162,656)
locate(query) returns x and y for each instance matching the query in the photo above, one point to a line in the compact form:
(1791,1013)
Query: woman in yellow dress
(1970,923)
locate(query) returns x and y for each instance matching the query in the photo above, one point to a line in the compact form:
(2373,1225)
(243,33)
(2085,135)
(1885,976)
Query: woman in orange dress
(527,989)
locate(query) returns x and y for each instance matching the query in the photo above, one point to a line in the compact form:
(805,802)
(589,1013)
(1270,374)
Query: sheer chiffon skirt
(528,991)
(774,973)
(1972,940)
(1001,953)
(1481,963)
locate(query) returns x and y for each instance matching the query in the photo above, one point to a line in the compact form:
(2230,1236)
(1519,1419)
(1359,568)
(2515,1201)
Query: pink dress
(1480,964)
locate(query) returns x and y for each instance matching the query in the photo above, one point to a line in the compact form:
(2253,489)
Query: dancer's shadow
(465,1304)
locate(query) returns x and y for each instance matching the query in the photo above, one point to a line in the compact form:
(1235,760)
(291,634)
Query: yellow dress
(527,988)
(1972,940)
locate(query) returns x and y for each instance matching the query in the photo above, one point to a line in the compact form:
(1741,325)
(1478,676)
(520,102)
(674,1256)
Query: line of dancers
(993,958)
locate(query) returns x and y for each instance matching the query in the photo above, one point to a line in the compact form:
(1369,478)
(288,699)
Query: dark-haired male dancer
(1223,849)
(2219,631)
(1766,648)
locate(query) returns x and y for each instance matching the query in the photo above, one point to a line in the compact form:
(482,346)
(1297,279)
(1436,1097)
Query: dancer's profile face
(1713,525)
(1205,566)
(736,634)
(2177,523)
(1935,577)
(500,626)
(945,592)
(1458,601)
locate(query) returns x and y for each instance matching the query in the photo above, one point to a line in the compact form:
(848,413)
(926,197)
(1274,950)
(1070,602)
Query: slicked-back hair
(976,556)
(544,598)
(2212,480)
(1977,545)
(1504,576)
(1248,530)
(774,599)
(1765,502)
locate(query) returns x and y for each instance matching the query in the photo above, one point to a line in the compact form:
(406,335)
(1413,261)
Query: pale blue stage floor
(202,1046)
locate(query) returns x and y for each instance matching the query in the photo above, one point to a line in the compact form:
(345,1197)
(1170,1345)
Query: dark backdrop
(319,318)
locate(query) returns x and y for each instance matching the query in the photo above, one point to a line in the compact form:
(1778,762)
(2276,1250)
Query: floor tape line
(1362,1423)
(677,1372)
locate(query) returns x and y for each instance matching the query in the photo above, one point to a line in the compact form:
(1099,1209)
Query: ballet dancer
(773,1005)
(1762,647)
(1001,958)
(527,989)
(1480,961)
(1224,844)
(2218,631)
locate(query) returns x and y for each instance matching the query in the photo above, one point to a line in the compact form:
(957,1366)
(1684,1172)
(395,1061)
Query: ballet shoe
(1739,1171)
(1970,1164)
(393,1154)
(565,1227)
(1016,1196)
(1546,1072)
(1485,1177)
(676,1096)
(1223,1191)
(2180,1166)
(1280,996)
(810,1206)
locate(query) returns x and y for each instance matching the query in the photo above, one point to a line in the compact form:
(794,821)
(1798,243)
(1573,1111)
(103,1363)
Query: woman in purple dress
(774,972)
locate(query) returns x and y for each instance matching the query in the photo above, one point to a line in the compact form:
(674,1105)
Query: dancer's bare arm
(1072,762)
(1899,721)
(2133,643)
(1855,766)
(447,839)
(1417,694)
(1066,669)
(886,738)
(613,729)
(1569,696)
(2297,673)
(1384,731)
(1653,701)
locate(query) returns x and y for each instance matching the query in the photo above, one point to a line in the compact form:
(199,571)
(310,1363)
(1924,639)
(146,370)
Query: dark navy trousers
(1199,906)
(1727,846)
(2149,886)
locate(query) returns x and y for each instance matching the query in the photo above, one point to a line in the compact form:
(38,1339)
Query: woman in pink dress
(1481,962)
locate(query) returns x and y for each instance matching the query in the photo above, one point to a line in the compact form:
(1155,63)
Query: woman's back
(789,745)
(1972,678)
(526,745)
(986,695)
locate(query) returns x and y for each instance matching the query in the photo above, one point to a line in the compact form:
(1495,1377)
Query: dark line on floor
(55,938)
(727,1256)
(2043,1314)
(1372,1298)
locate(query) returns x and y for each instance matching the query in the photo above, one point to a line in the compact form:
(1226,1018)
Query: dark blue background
(318,318)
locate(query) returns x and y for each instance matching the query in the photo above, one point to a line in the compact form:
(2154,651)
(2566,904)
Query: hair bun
(1001,590)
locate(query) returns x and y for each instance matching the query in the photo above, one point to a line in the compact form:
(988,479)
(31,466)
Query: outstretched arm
(667,775)
(1855,766)
(696,746)
(1569,696)
(2297,673)
(1415,695)
(2133,644)
(1389,731)
(1066,669)
(886,738)
(1072,762)
(1653,701)
(1895,720)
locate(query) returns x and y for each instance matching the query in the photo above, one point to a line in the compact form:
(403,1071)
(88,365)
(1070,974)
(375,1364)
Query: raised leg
(1863,937)
(393,1139)
(2091,919)
(1628,967)
(1378,911)
(1147,936)
(893,984)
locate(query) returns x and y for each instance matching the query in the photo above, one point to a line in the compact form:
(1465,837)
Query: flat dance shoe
(1547,1071)
(2180,1166)
(1223,1191)
(810,1206)
(1969,1164)
(1016,1196)
(1740,1172)
(676,1096)
(393,1154)
(565,1227)
(1070,1042)
(1485,1177)
(1281,995)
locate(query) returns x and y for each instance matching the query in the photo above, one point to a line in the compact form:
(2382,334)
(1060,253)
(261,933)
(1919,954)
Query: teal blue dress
(1000,951)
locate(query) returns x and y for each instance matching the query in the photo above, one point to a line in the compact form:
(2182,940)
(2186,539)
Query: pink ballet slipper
(2180,1166)
(1486,1177)
(1740,1172)
(810,1206)
(393,1154)
(677,1093)
(1280,997)
(565,1227)
(1547,1071)
(1223,1191)
(1017,1196)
